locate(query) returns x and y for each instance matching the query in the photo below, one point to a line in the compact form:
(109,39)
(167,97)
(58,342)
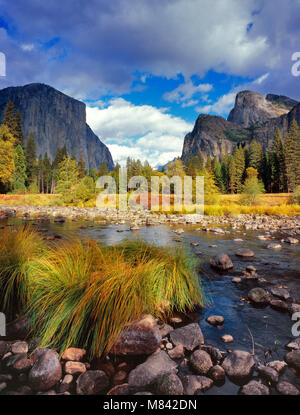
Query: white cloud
(185,91)
(142,131)
(225,103)
(27,47)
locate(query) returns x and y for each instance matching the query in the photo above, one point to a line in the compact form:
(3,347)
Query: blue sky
(147,68)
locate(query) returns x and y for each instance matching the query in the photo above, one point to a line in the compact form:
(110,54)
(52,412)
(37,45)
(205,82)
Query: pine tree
(103,171)
(255,156)
(47,173)
(278,164)
(267,172)
(290,149)
(208,164)
(19,175)
(30,155)
(81,167)
(19,136)
(239,168)
(9,117)
(68,175)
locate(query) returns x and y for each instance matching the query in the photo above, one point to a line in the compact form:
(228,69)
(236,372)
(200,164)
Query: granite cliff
(56,120)
(253,117)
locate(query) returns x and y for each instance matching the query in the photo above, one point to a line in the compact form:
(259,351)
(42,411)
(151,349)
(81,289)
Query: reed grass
(84,295)
(18,247)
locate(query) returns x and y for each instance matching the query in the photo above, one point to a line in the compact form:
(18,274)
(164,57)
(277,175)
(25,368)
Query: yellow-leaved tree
(7,155)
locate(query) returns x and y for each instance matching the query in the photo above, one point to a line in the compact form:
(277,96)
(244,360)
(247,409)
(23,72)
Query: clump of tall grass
(84,295)
(18,247)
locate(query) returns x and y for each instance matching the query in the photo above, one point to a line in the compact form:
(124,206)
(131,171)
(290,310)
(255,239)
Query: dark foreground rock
(142,337)
(259,296)
(156,365)
(92,382)
(286,388)
(255,388)
(193,384)
(46,370)
(189,336)
(238,365)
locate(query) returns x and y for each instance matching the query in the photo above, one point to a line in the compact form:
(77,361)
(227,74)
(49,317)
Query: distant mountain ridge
(253,117)
(56,120)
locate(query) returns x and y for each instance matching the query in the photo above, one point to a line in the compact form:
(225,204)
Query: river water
(269,329)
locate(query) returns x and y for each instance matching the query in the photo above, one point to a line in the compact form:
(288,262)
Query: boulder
(254,387)
(92,382)
(268,373)
(17,363)
(279,305)
(221,262)
(142,337)
(227,338)
(259,296)
(66,384)
(293,359)
(189,336)
(193,384)
(286,388)
(278,365)
(274,245)
(200,362)
(146,373)
(281,293)
(46,370)
(19,347)
(214,352)
(291,240)
(238,365)
(168,384)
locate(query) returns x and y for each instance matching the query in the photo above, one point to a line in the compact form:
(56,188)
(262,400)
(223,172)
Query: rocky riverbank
(289,225)
(150,358)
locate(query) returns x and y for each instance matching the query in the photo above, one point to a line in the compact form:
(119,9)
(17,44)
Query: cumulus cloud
(139,131)
(185,91)
(105,42)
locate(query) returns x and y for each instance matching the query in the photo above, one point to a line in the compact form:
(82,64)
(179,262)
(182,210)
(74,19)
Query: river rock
(46,371)
(221,262)
(268,373)
(119,377)
(215,320)
(279,305)
(259,296)
(165,329)
(291,240)
(214,352)
(18,329)
(274,245)
(17,363)
(293,359)
(201,362)
(294,308)
(19,347)
(177,352)
(92,382)
(193,384)
(156,365)
(281,293)
(294,345)
(74,354)
(217,373)
(238,364)
(286,388)
(168,384)
(120,390)
(140,338)
(66,384)
(74,368)
(189,336)
(278,365)
(245,253)
(255,387)
(227,338)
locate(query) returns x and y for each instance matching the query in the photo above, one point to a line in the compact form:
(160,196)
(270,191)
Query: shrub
(84,295)
(296,195)
(18,247)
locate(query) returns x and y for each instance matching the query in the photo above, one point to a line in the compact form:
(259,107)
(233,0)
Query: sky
(147,68)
